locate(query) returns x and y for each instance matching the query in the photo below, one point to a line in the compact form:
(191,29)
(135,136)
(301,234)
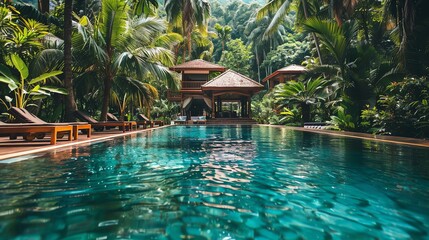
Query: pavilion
(227,95)
(284,74)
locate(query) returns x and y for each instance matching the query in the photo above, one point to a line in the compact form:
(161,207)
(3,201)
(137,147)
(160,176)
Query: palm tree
(144,7)
(223,33)
(203,43)
(281,8)
(131,91)
(122,47)
(305,94)
(261,43)
(70,101)
(337,40)
(342,9)
(411,20)
(188,14)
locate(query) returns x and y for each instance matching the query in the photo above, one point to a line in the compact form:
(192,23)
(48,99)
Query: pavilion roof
(231,79)
(289,70)
(198,64)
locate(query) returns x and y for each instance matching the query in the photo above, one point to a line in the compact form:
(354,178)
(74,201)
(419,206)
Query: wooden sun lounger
(32,130)
(25,117)
(113,118)
(145,124)
(85,127)
(125,125)
(145,121)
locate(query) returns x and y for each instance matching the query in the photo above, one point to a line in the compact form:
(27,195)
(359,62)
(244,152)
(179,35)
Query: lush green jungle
(367,60)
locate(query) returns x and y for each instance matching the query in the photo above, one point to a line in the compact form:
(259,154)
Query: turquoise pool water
(219,183)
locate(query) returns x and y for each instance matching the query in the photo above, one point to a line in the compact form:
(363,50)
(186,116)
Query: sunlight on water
(219,183)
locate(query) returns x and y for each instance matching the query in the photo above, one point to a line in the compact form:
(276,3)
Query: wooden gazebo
(283,74)
(231,86)
(225,96)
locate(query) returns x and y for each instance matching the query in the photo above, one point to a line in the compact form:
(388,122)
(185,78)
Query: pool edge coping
(364,136)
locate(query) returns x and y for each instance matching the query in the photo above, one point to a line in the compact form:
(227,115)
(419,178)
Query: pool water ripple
(219,183)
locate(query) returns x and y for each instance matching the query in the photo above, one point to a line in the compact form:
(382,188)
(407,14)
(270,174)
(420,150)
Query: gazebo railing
(192,84)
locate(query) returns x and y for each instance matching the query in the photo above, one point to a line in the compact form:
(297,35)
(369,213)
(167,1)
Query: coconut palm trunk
(43,6)
(68,74)
(106,97)
(316,40)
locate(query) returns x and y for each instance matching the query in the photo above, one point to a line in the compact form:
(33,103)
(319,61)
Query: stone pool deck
(16,148)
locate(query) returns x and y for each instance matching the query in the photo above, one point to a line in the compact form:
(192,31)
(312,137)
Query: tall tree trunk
(68,74)
(184,54)
(316,40)
(305,110)
(44,6)
(106,96)
(257,63)
(189,45)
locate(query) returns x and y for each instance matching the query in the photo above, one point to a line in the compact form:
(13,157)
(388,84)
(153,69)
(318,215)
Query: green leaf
(40,92)
(11,84)
(7,73)
(84,21)
(55,90)
(35,89)
(38,97)
(19,64)
(45,76)
(8,77)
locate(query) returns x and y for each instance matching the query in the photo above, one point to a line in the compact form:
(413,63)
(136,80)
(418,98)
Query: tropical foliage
(237,57)
(303,94)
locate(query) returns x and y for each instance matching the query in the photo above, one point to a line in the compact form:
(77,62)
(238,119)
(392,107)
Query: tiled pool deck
(16,148)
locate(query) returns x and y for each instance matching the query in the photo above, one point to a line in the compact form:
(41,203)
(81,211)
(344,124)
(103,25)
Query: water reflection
(213,182)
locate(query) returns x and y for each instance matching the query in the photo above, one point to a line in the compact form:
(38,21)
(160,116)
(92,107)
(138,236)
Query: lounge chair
(199,119)
(113,118)
(30,130)
(100,125)
(316,125)
(180,120)
(22,115)
(144,121)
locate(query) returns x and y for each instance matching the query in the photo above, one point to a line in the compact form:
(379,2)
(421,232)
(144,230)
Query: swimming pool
(211,182)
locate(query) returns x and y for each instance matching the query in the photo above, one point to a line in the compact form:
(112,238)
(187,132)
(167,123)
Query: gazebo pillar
(219,105)
(213,107)
(281,78)
(249,106)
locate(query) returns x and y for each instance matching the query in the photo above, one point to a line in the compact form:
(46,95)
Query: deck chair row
(30,126)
